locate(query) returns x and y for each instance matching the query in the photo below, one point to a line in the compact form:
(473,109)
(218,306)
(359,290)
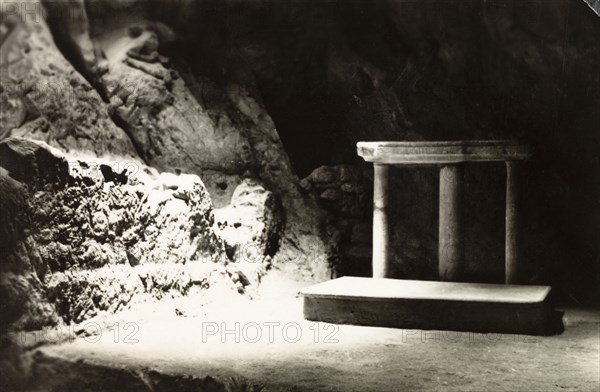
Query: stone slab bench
(414,304)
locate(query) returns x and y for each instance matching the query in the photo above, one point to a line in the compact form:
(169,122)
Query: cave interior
(173,173)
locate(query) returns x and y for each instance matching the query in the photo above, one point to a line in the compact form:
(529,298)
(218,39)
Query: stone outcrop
(48,99)
(87,238)
(344,193)
(107,228)
(251,228)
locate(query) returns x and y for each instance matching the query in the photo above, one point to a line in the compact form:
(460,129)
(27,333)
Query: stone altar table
(451,157)
(401,303)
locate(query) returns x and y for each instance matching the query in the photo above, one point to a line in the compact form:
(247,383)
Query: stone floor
(241,345)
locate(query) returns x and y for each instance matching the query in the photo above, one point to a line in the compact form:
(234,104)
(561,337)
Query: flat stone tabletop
(427,152)
(379,288)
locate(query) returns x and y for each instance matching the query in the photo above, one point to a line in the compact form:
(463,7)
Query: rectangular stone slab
(414,304)
(447,152)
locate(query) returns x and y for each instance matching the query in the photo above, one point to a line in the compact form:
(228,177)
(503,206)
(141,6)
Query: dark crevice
(72,53)
(124,125)
(70,49)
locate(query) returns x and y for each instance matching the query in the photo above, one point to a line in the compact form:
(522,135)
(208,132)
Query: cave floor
(274,347)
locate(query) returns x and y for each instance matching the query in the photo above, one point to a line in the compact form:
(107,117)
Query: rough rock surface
(345,194)
(99,85)
(22,297)
(48,99)
(98,240)
(184,120)
(250,227)
(170,112)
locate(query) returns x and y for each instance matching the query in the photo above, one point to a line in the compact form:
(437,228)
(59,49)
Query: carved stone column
(512,250)
(381,258)
(451,227)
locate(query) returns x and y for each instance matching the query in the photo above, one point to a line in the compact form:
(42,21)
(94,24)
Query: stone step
(413,304)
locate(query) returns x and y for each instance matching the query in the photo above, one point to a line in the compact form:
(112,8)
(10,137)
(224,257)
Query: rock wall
(95,82)
(88,240)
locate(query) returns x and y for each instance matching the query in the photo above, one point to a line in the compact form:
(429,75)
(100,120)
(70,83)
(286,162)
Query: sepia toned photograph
(299,195)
